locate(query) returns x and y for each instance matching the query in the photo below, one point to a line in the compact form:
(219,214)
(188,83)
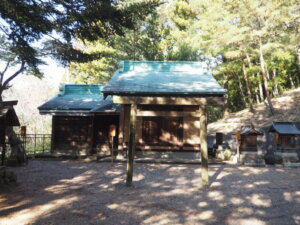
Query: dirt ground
(75,192)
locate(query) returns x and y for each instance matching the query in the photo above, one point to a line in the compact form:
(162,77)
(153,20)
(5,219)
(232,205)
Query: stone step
(292,164)
(168,155)
(255,164)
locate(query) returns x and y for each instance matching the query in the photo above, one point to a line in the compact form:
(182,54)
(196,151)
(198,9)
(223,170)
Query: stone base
(291,165)
(283,157)
(170,155)
(6,177)
(251,159)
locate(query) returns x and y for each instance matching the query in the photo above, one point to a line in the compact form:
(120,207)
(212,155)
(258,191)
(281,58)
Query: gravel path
(76,192)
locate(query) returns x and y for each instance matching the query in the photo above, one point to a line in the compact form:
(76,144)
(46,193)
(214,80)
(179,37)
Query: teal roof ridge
(79,98)
(163,78)
(163,66)
(80,89)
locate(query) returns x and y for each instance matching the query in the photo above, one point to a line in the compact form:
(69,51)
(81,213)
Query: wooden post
(121,133)
(131,145)
(92,136)
(203,143)
(3,145)
(53,139)
(2,140)
(238,141)
(112,133)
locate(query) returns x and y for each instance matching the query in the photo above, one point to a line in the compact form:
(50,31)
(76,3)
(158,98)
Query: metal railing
(36,143)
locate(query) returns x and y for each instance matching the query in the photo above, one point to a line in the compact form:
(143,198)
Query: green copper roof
(163,78)
(74,98)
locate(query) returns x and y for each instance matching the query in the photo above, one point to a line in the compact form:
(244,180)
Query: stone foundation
(6,177)
(284,157)
(251,158)
(171,155)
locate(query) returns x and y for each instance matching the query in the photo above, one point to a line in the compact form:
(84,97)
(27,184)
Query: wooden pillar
(203,143)
(131,144)
(53,139)
(92,136)
(2,143)
(121,132)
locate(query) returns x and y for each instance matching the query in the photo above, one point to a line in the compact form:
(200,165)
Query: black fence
(36,143)
(33,144)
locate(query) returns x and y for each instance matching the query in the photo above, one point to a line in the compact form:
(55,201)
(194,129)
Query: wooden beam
(167,113)
(131,144)
(203,143)
(168,100)
(8,103)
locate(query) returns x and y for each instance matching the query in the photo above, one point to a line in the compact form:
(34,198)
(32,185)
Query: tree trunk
(292,82)
(257,98)
(298,56)
(249,60)
(264,76)
(247,86)
(226,108)
(242,92)
(261,92)
(276,92)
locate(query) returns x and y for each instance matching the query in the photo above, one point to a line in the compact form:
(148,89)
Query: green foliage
(242,41)
(25,23)
(152,39)
(227,154)
(98,70)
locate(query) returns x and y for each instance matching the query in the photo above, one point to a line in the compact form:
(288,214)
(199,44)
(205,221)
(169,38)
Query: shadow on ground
(74,192)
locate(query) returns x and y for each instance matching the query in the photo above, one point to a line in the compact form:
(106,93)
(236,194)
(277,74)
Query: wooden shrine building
(285,138)
(81,120)
(248,139)
(249,151)
(163,106)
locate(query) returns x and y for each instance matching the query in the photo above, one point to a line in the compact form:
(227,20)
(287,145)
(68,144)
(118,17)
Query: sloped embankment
(287,109)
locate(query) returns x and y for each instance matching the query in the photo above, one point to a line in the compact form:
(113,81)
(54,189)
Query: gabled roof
(78,99)
(250,130)
(163,79)
(284,128)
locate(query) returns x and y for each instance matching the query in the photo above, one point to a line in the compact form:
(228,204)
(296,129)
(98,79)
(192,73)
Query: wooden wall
(102,143)
(248,143)
(165,131)
(81,135)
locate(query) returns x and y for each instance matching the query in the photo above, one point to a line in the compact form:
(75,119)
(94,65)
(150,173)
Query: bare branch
(14,75)
(5,69)
(2,73)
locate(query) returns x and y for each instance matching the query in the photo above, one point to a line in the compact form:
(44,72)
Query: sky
(53,73)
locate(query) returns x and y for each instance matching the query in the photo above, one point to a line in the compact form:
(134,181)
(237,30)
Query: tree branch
(14,75)
(3,72)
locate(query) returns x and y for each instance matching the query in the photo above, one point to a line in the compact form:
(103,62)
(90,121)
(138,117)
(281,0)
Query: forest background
(251,47)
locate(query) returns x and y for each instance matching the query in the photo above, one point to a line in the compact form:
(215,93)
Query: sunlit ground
(73,192)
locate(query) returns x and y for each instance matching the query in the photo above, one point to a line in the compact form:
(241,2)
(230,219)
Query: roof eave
(167,94)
